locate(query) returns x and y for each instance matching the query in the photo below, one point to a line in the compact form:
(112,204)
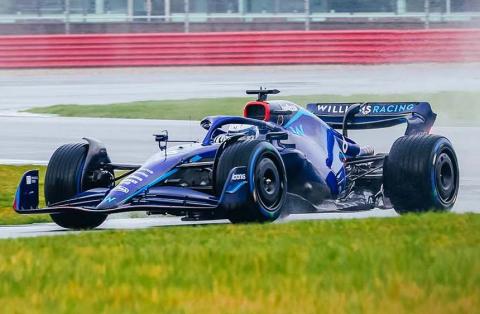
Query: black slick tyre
(267,182)
(421,174)
(63,180)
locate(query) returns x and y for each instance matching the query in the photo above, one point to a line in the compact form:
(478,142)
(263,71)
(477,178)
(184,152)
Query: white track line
(23,162)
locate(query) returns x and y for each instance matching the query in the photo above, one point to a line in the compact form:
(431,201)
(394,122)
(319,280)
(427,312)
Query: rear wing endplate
(418,115)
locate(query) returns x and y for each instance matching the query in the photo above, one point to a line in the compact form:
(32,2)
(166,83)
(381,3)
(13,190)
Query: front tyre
(63,180)
(266,176)
(421,174)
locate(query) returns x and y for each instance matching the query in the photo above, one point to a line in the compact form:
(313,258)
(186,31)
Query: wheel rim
(446,177)
(269,184)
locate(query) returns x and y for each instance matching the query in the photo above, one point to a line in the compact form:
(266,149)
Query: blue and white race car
(278,157)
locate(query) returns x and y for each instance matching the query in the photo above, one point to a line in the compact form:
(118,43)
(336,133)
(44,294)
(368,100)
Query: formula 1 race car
(278,157)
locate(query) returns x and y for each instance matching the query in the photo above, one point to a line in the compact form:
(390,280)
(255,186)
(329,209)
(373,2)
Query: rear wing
(418,115)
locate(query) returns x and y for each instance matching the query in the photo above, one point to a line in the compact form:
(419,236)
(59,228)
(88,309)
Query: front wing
(162,198)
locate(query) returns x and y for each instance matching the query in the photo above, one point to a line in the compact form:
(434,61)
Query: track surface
(51,229)
(27,139)
(22,89)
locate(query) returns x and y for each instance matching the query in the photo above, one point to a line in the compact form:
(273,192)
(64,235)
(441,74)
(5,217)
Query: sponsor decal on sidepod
(239,176)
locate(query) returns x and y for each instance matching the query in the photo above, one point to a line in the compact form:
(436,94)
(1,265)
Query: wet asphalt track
(20,89)
(51,229)
(27,139)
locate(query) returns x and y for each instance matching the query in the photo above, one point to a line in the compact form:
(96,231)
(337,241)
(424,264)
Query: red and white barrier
(292,47)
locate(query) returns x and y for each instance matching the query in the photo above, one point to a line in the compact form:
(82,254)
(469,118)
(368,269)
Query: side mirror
(206,124)
(162,140)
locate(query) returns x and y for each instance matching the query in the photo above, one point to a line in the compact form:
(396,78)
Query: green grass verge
(412,264)
(453,107)
(9,178)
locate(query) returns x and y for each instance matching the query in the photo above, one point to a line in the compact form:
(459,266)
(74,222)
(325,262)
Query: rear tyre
(63,180)
(267,180)
(421,174)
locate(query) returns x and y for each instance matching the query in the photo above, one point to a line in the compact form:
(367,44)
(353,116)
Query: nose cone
(135,184)
(151,173)
(112,200)
(154,171)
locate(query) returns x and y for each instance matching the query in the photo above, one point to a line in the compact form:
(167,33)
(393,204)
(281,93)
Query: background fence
(122,16)
(314,47)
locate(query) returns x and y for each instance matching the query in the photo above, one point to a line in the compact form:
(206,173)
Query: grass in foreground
(456,107)
(9,178)
(412,264)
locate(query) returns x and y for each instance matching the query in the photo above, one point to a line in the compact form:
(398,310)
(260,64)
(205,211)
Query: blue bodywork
(316,158)
(314,154)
